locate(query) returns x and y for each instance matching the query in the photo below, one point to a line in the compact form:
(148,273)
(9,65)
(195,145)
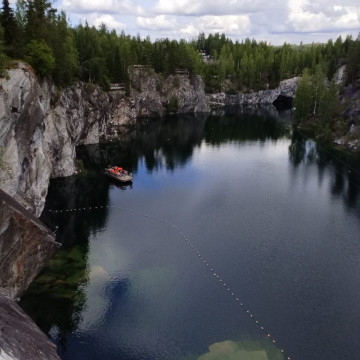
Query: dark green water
(274,215)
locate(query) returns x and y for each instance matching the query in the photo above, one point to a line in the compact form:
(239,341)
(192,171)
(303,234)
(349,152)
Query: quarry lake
(237,234)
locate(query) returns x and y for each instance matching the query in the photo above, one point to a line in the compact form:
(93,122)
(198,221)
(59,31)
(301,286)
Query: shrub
(40,56)
(172,106)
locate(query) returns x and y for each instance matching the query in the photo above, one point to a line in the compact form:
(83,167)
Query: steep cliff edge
(26,245)
(41,126)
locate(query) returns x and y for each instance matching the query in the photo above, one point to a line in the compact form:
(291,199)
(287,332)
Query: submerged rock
(242,350)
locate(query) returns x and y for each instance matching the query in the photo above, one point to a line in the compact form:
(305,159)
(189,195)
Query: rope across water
(210,268)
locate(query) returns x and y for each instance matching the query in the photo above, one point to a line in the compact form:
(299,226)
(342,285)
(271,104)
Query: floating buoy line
(195,251)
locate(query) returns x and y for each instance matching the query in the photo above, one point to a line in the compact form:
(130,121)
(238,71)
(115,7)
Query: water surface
(276,216)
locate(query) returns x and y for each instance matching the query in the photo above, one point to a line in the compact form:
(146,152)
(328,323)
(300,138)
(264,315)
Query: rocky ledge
(26,245)
(20,338)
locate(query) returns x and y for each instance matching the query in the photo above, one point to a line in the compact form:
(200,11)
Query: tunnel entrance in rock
(283,102)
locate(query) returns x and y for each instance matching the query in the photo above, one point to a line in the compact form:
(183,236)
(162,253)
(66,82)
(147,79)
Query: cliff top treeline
(40,35)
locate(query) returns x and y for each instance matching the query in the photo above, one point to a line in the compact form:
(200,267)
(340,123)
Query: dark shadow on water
(345,167)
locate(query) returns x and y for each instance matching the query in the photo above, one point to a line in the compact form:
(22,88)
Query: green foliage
(172,107)
(318,89)
(40,57)
(303,98)
(317,106)
(2,53)
(176,82)
(330,107)
(11,33)
(63,46)
(353,61)
(101,56)
(38,16)
(231,91)
(5,170)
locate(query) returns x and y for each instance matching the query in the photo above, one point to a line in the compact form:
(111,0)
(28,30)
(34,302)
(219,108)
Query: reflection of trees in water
(170,142)
(344,167)
(163,142)
(297,149)
(56,298)
(242,126)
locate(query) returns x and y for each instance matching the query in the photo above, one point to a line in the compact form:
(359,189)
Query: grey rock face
(151,93)
(20,338)
(286,88)
(24,104)
(26,245)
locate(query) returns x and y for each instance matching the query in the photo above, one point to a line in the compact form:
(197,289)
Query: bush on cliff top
(40,56)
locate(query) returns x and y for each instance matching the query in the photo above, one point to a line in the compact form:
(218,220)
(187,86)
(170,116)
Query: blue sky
(273,21)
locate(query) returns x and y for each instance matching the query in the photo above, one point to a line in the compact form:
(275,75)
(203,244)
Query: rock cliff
(152,93)
(25,247)
(41,126)
(285,90)
(350,101)
(20,338)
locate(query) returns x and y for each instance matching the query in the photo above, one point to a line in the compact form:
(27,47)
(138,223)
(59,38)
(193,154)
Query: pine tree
(353,60)
(40,57)
(329,106)
(302,100)
(2,53)
(36,19)
(7,20)
(318,88)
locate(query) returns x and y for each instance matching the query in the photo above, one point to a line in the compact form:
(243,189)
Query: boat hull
(123,178)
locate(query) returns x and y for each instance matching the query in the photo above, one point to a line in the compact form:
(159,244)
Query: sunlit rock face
(20,338)
(24,103)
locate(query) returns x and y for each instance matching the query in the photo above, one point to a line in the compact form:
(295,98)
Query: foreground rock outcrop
(20,338)
(26,245)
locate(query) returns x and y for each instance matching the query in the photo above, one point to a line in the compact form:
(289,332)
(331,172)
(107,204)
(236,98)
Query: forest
(37,33)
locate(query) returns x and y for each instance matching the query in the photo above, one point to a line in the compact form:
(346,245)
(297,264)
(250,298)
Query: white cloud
(104,6)
(228,24)
(160,22)
(110,22)
(208,7)
(322,16)
(190,27)
(313,20)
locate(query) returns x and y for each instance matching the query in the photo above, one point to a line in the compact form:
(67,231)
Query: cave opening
(283,102)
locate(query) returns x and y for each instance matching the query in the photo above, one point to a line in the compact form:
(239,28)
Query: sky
(275,21)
